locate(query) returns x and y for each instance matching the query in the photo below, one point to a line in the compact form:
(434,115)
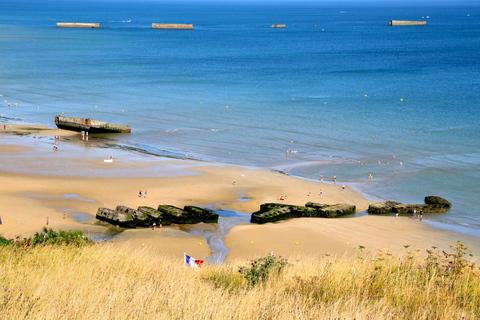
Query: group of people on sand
(142,193)
(154,225)
(420,214)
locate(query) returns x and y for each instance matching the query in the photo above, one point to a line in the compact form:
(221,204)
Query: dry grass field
(102,281)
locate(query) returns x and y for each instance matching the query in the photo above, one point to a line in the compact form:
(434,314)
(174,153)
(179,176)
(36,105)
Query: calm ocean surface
(322,91)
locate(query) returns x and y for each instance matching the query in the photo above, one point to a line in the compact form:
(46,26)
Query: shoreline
(29,198)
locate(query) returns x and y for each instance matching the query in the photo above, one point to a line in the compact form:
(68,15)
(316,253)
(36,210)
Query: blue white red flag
(191,262)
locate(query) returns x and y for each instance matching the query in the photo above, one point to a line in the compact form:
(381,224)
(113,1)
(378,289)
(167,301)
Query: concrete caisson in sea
(90,125)
(174,26)
(406,23)
(77,25)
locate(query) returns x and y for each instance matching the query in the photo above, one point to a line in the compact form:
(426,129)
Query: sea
(347,93)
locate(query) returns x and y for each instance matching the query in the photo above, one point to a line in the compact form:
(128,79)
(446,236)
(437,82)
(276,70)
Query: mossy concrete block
(408,209)
(336,210)
(271,212)
(198,214)
(155,216)
(385,207)
(438,202)
(174,214)
(121,219)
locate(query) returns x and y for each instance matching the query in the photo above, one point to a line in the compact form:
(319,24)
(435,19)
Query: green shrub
(4,242)
(48,236)
(261,268)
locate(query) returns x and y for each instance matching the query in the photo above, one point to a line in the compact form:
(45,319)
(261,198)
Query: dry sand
(29,197)
(338,237)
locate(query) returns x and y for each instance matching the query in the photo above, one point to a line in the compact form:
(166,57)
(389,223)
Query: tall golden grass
(107,282)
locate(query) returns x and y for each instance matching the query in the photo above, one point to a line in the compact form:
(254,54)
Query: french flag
(191,262)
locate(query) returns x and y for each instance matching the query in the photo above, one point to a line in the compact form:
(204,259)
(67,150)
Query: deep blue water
(323,91)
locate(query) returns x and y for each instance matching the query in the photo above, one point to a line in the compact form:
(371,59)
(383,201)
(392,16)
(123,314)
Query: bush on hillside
(4,242)
(48,236)
(261,268)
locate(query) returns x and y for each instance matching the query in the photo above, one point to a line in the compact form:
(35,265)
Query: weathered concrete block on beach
(437,202)
(145,216)
(433,204)
(409,208)
(385,207)
(303,212)
(174,214)
(141,219)
(121,219)
(155,216)
(315,205)
(198,214)
(331,211)
(187,215)
(271,212)
(336,210)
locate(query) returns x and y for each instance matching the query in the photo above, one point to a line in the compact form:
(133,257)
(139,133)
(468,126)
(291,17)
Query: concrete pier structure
(89,125)
(174,26)
(406,23)
(77,25)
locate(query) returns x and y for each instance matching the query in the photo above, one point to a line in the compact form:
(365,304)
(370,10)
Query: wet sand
(40,183)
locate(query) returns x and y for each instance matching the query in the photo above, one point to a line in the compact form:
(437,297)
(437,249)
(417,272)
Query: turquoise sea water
(322,91)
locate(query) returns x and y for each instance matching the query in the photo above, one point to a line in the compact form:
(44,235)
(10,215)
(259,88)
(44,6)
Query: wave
(191,130)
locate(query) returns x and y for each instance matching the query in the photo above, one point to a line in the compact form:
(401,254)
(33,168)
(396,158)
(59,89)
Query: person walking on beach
(321,177)
(145,194)
(140,193)
(48,221)
(369,176)
(414,213)
(153,226)
(334,178)
(64,215)
(160,223)
(343,187)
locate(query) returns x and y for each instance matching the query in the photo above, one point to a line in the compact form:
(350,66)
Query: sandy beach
(82,182)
